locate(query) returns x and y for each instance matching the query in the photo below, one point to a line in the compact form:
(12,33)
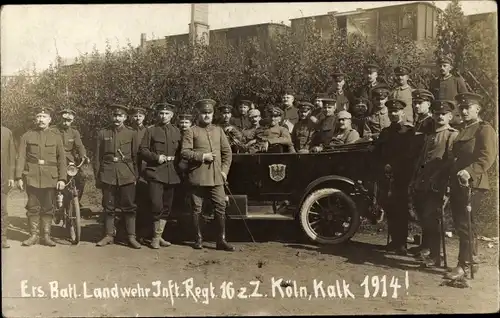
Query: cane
(443,234)
(468,211)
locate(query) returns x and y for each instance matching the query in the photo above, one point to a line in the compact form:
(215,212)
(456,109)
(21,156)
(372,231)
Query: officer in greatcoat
(117,173)
(160,148)
(8,170)
(41,166)
(431,179)
(394,157)
(474,153)
(207,148)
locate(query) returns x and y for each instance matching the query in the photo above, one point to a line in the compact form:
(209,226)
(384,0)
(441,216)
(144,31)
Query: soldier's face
(287,99)
(469,112)
(119,118)
(372,76)
(304,113)
(360,109)
(243,109)
(68,119)
(43,120)
(380,102)
(184,124)
(226,117)
(444,68)
(422,107)
(395,116)
(255,119)
(318,103)
(138,119)
(330,110)
(402,79)
(207,117)
(165,116)
(339,84)
(344,123)
(275,119)
(442,119)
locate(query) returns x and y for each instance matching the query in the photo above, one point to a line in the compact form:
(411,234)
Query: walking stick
(443,235)
(469,223)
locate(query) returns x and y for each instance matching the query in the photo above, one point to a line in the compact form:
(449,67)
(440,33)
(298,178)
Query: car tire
(347,201)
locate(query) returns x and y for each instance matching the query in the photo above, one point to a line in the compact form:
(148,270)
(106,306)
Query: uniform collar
(119,128)
(421,119)
(446,77)
(445,127)
(64,127)
(381,111)
(400,88)
(472,124)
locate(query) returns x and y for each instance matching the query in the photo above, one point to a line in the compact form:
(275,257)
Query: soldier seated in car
(318,113)
(326,127)
(274,138)
(360,111)
(249,133)
(304,129)
(232,132)
(345,133)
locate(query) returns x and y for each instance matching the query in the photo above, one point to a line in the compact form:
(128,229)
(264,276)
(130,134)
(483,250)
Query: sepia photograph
(249,159)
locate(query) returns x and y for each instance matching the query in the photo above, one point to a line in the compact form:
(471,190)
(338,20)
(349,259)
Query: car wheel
(329,216)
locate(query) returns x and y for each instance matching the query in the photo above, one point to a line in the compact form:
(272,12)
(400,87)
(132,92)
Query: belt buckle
(115,159)
(41,161)
(170,158)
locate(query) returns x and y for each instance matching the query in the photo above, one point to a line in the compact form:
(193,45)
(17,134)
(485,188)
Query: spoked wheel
(329,216)
(73,221)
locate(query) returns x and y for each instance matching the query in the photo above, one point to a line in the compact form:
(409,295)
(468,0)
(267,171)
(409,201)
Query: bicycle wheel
(75,228)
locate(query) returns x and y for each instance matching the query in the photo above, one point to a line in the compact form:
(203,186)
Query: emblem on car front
(277,172)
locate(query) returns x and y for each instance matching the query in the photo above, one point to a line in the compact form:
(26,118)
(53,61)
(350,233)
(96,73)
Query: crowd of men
(426,141)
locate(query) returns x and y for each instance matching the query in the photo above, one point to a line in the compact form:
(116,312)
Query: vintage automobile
(325,192)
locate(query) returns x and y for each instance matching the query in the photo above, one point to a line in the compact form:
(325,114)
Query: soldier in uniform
(290,114)
(74,148)
(207,145)
(341,96)
(116,174)
(232,132)
(303,131)
(184,121)
(403,91)
(379,117)
(433,168)
(160,148)
(360,111)
(424,122)
(241,120)
(345,133)
(474,153)
(42,165)
(446,86)
(371,71)
(318,113)
(274,138)
(326,128)
(8,170)
(249,133)
(395,162)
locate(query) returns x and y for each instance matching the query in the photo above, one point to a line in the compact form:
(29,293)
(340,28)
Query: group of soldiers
(426,141)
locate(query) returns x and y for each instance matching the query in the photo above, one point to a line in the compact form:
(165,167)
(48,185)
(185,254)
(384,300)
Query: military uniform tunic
(404,93)
(72,141)
(278,137)
(8,170)
(325,131)
(302,134)
(291,114)
(342,101)
(446,89)
(425,124)
(345,137)
(475,151)
(242,122)
(42,164)
(375,122)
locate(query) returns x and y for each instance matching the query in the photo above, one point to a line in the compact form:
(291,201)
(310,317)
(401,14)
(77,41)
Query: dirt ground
(245,282)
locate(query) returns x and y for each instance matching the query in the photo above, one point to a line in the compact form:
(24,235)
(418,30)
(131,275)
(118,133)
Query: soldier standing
(290,115)
(431,180)
(8,171)
(116,174)
(326,128)
(341,96)
(42,165)
(474,152)
(207,145)
(447,86)
(394,153)
(160,148)
(403,91)
(73,147)
(371,71)
(379,117)
(318,113)
(424,122)
(360,111)
(241,119)
(303,131)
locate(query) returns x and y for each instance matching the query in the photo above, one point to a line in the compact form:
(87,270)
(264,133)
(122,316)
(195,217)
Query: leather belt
(110,158)
(41,162)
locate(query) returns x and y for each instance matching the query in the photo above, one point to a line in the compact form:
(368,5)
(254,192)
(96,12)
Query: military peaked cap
(246,102)
(381,91)
(67,111)
(43,110)
(274,110)
(344,114)
(288,91)
(137,110)
(372,67)
(402,70)
(253,112)
(225,108)
(118,109)
(445,60)
(321,96)
(422,95)
(395,104)
(305,105)
(338,76)
(185,116)
(329,101)
(361,101)
(205,105)
(164,106)
(442,106)
(467,99)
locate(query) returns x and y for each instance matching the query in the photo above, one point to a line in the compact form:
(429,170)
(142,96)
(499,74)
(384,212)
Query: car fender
(325,179)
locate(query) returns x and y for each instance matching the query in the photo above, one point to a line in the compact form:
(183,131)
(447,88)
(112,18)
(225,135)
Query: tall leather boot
(47,226)
(34,224)
(198,240)
(130,225)
(221,242)
(158,227)
(109,225)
